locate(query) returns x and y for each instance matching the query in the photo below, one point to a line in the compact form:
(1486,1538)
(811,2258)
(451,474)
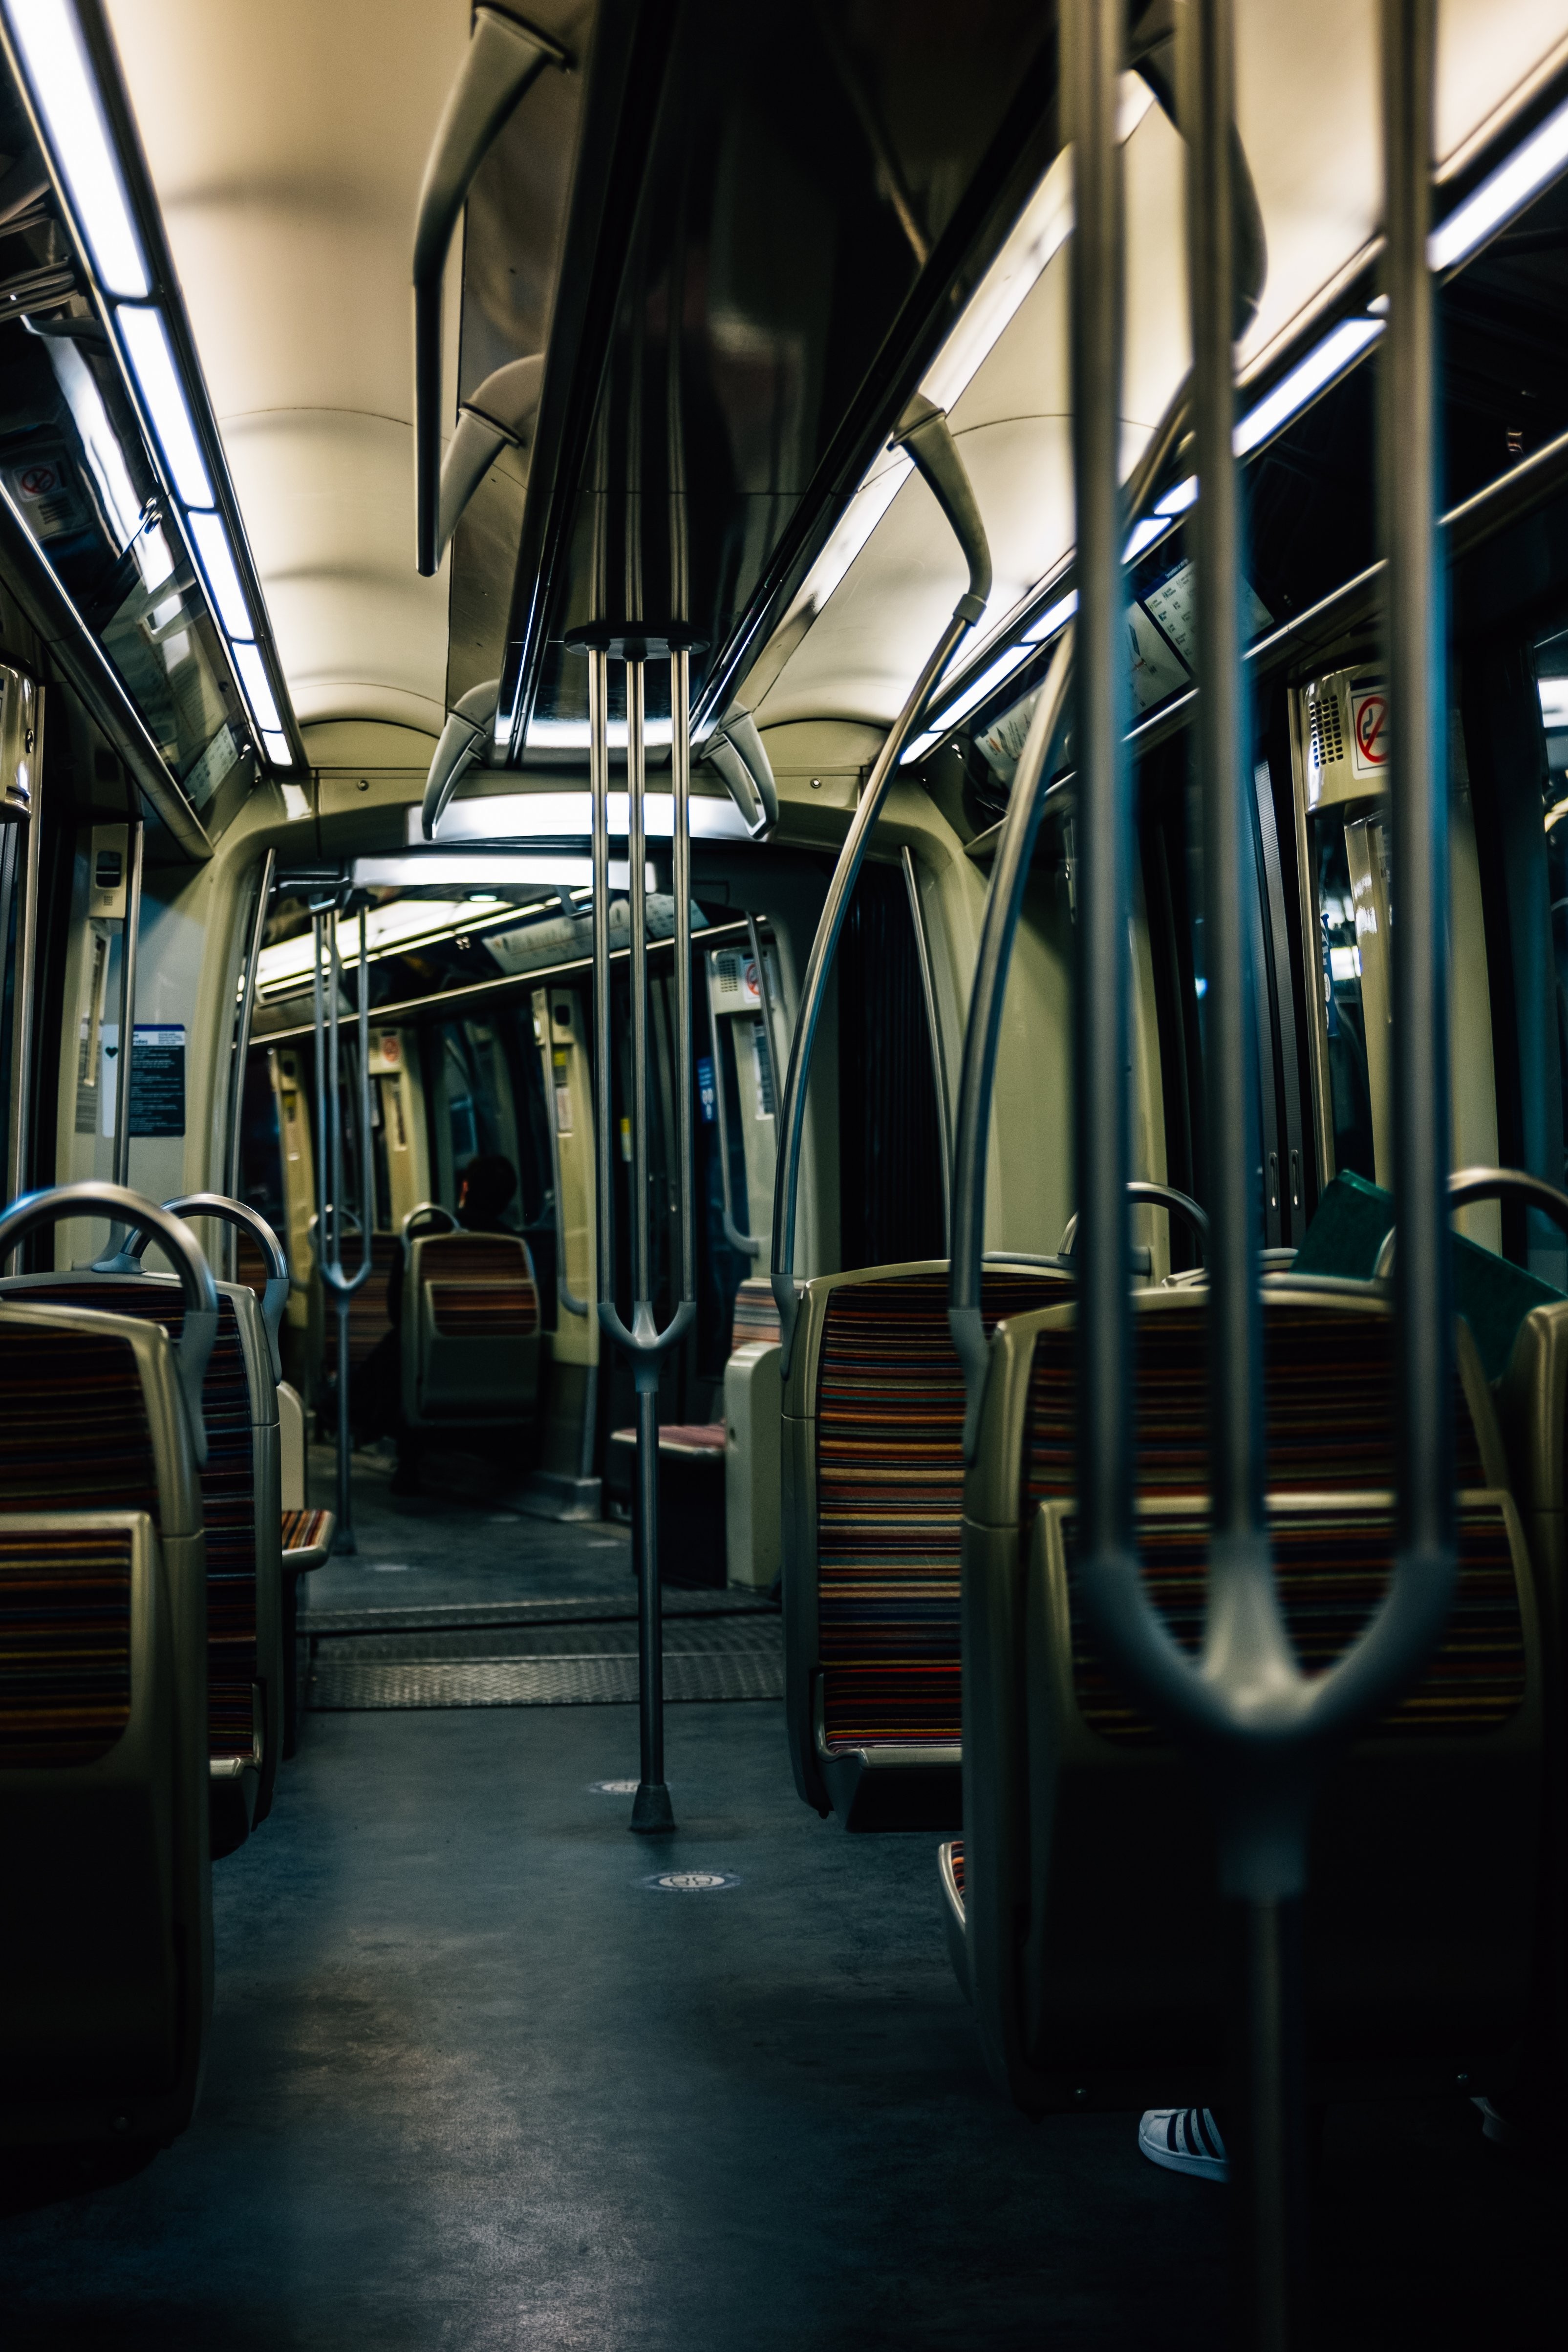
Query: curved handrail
(748,1244)
(130,1209)
(737,751)
(1153,1196)
(504,59)
(922,431)
(426,1209)
(240,1214)
(1244,1701)
(1467,1185)
(999,925)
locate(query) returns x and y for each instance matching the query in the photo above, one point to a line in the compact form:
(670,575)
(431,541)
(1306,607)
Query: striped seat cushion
(756,1314)
(74,1434)
(305,1531)
(65,1643)
(484,1310)
(228,1494)
(1332,1570)
(889,1498)
(1329,1384)
(480,1286)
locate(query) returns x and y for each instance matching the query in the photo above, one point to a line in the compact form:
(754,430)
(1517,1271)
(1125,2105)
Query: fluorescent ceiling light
(1055,616)
(554,869)
(66,92)
(1143,535)
(276,746)
(1553,693)
(1537,160)
(534,817)
(217,559)
(258,688)
(989,679)
(1176,502)
(1305,381)
(146,341)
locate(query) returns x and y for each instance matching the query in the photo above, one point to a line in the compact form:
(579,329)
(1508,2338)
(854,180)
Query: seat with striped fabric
(873,1471)
(240,1505)
(470,1329)
(106,1957)
(1082,1823)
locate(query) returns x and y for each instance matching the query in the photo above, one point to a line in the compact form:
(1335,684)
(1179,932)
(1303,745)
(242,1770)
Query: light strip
(1311,376)
(218,569)
(1536,160)
(257,688)
(54,56)
(557,870)
(146,341)
(532,816)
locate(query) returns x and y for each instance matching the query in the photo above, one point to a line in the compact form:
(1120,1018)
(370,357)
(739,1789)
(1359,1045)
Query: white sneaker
(1184,2139)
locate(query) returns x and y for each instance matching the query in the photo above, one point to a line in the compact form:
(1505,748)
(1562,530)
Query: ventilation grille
(1327,736)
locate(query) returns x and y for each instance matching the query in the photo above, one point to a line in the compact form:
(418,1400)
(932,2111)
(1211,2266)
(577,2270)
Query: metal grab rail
(748,1244)
(331,1212)
(634,645)
(1263,1728)
(129,1211)
(244,1219)
(504,57)
(1467,1185)
(242,1028)
(998,931)
(1154,1196)
(922,432)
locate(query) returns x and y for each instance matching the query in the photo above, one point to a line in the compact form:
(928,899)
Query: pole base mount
(344,1547)
(651,1810)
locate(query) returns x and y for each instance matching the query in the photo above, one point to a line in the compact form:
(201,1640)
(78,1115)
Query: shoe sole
(1200,2167)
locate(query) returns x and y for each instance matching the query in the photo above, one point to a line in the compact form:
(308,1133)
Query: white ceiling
(287,141)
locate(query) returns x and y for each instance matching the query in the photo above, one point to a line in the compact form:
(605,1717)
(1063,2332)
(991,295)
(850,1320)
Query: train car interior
(784,1275)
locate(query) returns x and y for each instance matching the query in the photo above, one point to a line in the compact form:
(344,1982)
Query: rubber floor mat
(595,1680)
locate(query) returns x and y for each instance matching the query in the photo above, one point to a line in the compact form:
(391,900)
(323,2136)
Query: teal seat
(1492,1294)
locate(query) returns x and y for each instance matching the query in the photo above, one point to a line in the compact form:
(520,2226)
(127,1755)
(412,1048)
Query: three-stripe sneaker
(1184,2139)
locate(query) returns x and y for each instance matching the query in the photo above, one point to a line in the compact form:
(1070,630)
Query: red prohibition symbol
(1371,730)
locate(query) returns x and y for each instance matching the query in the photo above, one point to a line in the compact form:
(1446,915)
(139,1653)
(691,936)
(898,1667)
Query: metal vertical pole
(127,1007)
(346,1541)
(1091,65)
(1264,2120)
(18,1131)
(242,1042)
(651,1808)
(1417,693)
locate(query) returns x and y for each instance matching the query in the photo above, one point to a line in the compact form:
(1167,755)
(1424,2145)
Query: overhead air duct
(465,742)
(499,415)
(735,750)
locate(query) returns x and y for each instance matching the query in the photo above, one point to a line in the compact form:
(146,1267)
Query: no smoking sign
(1369,731)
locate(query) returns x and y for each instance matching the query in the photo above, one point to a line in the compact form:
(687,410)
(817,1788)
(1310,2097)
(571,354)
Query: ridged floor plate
(573,1681)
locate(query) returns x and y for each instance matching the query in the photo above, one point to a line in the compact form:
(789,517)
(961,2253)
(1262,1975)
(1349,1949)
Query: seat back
(241,1506)
(470,1329)
(872,1504)
(1083,1826)
(106,1959)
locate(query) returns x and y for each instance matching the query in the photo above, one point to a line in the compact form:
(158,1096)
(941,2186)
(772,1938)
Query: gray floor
(475,2083)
